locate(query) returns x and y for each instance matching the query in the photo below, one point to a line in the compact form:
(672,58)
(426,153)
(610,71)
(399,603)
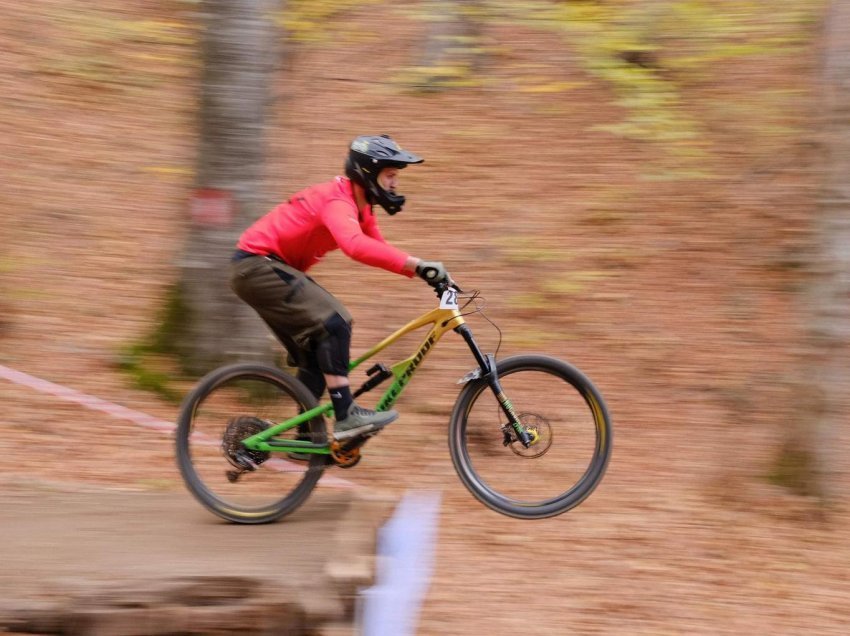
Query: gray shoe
(360,421)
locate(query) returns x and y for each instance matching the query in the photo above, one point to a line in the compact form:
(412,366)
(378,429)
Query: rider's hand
(432,272)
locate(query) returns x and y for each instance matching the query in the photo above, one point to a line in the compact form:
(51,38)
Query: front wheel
(227,406)
(569,425)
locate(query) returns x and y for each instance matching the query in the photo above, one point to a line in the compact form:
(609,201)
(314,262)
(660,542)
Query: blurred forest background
(650,189)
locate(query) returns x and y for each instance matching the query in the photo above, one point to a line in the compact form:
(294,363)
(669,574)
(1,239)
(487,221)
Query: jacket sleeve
(340,217)
(370,228)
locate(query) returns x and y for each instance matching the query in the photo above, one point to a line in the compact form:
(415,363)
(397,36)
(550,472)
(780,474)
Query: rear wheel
(227,406)
(569,425)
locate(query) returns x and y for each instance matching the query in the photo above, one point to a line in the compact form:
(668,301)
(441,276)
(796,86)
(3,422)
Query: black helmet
(367,157)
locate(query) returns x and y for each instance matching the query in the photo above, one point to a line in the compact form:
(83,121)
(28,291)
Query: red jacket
(319,219)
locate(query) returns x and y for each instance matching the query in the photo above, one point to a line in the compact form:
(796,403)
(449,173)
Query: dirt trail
(675,297)
(106,560)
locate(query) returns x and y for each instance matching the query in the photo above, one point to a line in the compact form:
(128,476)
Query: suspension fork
(487,364)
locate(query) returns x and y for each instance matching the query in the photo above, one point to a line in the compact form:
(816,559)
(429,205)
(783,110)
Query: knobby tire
(221,380)
(595,426)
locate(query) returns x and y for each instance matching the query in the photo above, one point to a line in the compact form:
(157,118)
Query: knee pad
(311,376)
(332,351)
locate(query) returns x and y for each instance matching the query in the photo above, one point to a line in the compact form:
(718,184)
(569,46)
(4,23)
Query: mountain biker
(268,270)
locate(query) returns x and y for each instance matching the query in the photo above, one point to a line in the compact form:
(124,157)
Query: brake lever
(455,285)
(442,287)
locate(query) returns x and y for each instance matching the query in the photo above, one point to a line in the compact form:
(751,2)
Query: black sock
(341,397)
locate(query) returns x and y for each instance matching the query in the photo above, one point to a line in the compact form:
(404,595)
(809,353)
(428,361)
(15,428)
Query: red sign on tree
(211,207)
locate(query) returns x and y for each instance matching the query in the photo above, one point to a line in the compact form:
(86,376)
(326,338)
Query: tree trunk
(825,382)
(240,55)
(454,36)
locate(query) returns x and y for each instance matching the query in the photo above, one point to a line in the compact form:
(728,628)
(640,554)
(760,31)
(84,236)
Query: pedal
(358,441)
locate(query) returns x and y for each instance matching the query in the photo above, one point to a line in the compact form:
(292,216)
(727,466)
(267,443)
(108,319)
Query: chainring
(239,428)
(346,454)
(345,457)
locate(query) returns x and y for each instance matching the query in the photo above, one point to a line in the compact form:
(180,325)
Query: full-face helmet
(367,156)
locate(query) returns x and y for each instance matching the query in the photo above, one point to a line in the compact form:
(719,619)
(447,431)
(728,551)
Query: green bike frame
(441,321)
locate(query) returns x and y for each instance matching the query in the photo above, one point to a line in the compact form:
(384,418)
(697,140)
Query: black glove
(432,272)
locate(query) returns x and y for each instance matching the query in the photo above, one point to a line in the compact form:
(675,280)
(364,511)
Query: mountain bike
(529,435)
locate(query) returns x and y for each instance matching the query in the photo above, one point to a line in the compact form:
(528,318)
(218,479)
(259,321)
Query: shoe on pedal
(360,421)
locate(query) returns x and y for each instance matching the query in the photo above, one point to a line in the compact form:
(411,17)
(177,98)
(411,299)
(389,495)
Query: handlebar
(441,287)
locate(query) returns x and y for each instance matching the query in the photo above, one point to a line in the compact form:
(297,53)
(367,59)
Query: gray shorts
(300,312)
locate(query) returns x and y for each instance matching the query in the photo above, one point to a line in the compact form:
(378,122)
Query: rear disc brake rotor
(541,433)
(237,429)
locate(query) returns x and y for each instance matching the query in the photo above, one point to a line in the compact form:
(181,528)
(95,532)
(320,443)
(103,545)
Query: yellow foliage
(309,20)
(574,282)
(676,42)
(169,171)
(551,87)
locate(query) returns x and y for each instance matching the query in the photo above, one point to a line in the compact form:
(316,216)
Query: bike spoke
(231,479)
(570,440)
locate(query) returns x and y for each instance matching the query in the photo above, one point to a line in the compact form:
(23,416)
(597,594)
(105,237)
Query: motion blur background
(635,186)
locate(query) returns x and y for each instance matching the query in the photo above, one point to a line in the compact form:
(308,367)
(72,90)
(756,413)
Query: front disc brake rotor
(237,429)
(541,436)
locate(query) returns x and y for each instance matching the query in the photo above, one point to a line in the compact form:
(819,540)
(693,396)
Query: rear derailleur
(242,459)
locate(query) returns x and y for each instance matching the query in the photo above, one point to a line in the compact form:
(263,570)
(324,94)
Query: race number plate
(449,299)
